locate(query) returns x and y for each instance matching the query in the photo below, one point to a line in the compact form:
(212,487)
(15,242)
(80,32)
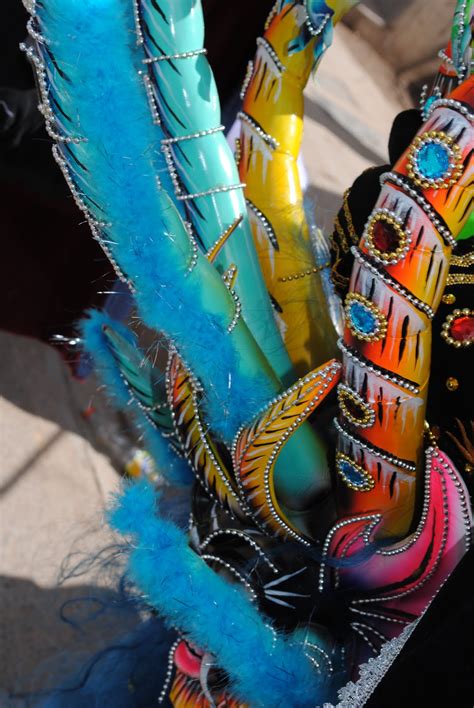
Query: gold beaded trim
(460,279)
(465,261)
(238,151)
(348,217)
(341,234)
(454,170)
(404,238)
(367,482)
(447,325)
(345,394)
(381,326)
(341,281)
(304,273)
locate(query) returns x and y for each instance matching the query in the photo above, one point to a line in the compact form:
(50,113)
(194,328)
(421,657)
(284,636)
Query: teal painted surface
(188,103)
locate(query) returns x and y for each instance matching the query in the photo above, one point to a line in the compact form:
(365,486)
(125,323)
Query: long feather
(109,150)
(215,615)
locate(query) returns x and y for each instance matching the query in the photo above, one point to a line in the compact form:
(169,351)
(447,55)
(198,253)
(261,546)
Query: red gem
(462,328)
(384,237)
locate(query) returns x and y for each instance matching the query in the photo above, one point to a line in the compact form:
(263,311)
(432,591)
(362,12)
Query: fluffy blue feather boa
(93,74)
(265,669)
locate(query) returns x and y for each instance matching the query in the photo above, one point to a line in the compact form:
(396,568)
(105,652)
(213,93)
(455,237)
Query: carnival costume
(323,515)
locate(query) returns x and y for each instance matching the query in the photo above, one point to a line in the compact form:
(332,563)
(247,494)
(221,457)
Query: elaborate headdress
(311,543)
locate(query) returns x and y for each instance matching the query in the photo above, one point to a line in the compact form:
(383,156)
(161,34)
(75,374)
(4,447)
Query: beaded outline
(431,452)
(387,257)
(257,128)
(367,482)
(450,103)
(188,454)
(266,225)
(452,174)
(365,364)
(446,327)
(346,392)
(433,215)
(392,283)
(380,319)
(245,537)
(373,450)
(329,372)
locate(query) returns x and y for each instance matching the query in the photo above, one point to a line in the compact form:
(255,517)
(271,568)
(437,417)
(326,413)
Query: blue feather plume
(112,159)
(265,669)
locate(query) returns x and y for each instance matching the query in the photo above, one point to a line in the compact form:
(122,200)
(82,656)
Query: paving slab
(53,488)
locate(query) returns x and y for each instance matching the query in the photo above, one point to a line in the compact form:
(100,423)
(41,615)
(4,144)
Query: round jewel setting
(386,239)
(364,319)
(458,328)
(434,160)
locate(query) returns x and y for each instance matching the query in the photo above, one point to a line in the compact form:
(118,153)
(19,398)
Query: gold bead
(452,384)
(449,299)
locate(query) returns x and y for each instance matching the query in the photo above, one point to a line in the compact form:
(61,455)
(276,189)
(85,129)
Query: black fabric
(361,200)
(404,128)
(450,410)
(436,666)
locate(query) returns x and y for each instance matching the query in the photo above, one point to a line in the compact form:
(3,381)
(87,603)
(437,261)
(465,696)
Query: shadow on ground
(47,633)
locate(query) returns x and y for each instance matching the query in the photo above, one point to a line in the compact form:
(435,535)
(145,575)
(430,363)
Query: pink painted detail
(187,660)
(399,581)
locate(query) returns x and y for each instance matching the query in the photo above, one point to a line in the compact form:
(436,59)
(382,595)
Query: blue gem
(433,160)
(362,318)
(351,474)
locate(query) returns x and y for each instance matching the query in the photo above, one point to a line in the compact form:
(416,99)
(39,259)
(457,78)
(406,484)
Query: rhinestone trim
(365,364)
(213,190)
(169,671)
(171,57)
(247,79)
(216,559)
(311,27)
(265,44)
(266,137)
(269,230)
(192,136)
(450,103)
(434,217)
(392,459)
(245,537)
(391,282)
